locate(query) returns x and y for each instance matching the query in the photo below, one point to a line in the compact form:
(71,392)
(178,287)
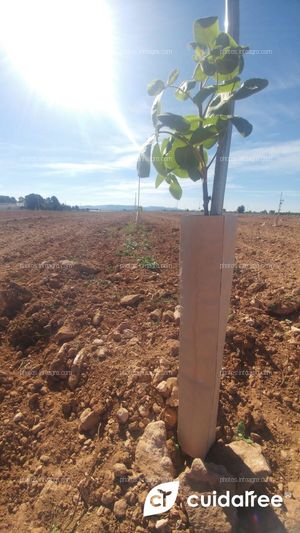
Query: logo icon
(161,498)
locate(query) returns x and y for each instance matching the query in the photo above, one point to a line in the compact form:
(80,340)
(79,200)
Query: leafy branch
(180,145)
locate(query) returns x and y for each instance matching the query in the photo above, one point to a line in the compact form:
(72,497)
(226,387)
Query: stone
(168,316)
(156,408)
(155,315)
(173,347)
(45,459)
(101,353)
(120,470)
(76,369)
(177,315)
(130,300)
(245,461)
(18,417)
(203,479)
(170,417)
(161,524)
(97,318)
(98,342)
(89,419)
(151,456)
(65,333)
(122,415)
(163,389)
(107,498)
(120,508)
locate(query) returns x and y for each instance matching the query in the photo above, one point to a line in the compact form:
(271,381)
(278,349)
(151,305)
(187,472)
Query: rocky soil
(89,328)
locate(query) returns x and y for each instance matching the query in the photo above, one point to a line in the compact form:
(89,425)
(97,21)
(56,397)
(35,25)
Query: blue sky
(89,158)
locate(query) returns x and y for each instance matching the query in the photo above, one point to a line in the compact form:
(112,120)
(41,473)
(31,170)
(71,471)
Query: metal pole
(138,201)
(232,23)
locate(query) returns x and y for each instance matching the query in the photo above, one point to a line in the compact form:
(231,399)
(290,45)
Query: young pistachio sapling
(185,146)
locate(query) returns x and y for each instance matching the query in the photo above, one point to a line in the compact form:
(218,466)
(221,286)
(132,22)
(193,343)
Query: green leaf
(206,31)
(182,91)
(155,87)
(225,39)
(174,122)
(156,109)
(185,157)
(199,74)
(219,104)
(157,160)
(203,94)
(175,188)
(201,134)
(228,61)
(173,76)
(242,125)
(249,87)
(194,121)
(228,86)
(209,66)
(143,163)
(168,152)
(159,180)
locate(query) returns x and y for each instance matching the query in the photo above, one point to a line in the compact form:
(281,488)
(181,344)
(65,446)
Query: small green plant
(149,263)
(181,145)
(240,433)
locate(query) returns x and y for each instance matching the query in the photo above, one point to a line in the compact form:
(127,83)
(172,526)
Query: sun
(63,49)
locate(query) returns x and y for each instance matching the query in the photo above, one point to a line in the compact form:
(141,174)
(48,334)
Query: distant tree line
(7,199)
(36,201)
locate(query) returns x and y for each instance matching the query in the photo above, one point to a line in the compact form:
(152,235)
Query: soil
(62,280)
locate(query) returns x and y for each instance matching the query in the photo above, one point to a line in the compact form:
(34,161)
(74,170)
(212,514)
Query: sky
(86,155)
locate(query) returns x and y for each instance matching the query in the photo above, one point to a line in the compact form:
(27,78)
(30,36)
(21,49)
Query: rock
(283,306)
(65,333)
(155,315)
(163,389)
(120,508)
(89,419)
(97,318)
(18,417)
(143,411)
(170,417)
(102,353)
(245,461)
(161,524)
(85,269)
(173,347)
(122,415)
(177,315)
(130,300)
(76,369)
(156,408)
(98,342)
(107,498)
(173,400)
(168,316)
(120,470)
(45,459)
(151,454)
(202,479)
(38,427)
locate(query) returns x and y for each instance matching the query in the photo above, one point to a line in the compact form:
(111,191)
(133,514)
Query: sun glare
(63,49)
